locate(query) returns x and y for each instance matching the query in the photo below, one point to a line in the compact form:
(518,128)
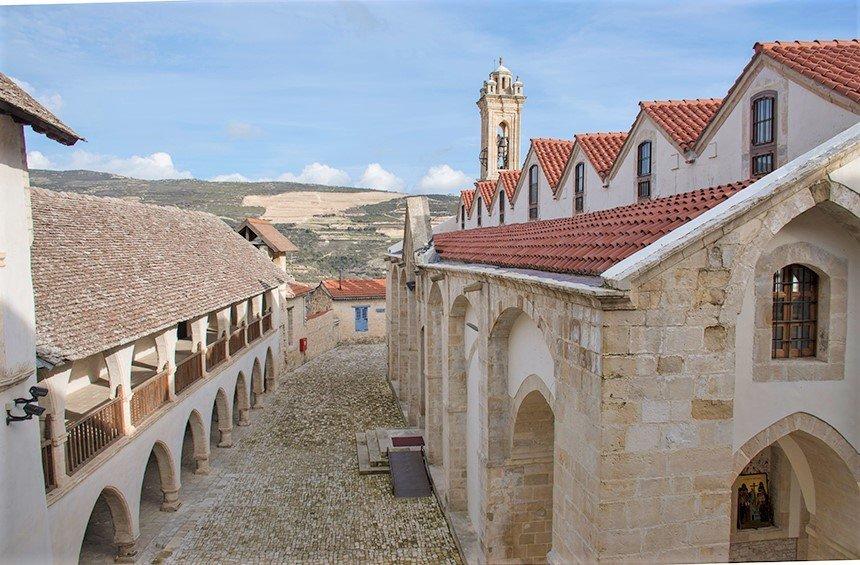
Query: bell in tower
(500,105)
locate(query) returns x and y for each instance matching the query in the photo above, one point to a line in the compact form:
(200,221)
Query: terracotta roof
(317,314)
(15,102)
(466,197)
(354,289)
(509,178)
(835,64)
(682,120)
(601,149)
(299,288)
(487,188)
(270,235)
(108,271)
(553,155)
(586,244)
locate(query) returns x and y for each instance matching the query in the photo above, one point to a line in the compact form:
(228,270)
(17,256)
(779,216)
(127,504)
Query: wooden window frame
(533,192)
(579,187)
(644,180)
(480,212)
(501,206)
(462,216)
(795,312)
(763,149)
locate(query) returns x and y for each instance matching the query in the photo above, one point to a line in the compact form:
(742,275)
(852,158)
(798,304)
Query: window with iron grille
(763,135)
(643,170)
(578,187)
(462,217)
(480,212)
(502,206)
(533,192)
(795,312)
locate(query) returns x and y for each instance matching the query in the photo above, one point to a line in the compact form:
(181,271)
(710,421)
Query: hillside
(336,228)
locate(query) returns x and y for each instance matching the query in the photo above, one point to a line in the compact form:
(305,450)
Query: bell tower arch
(500,105)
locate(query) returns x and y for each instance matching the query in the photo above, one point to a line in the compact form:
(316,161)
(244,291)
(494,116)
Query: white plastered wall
(528,354)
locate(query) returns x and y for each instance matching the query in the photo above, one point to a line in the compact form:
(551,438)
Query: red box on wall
(303,344)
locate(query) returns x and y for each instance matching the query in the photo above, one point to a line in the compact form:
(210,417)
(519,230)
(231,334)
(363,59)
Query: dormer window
(502,206)
(763,138)
(643,170)
(579,187)
(462,216)
(480,212)
(533,192)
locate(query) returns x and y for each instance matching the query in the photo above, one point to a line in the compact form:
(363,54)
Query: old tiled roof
(108,271)
(299,289)
(834,64)
(486,188)
(15,102)
(270,235)
(682,120)
(509,178)
(553,155)
(466,198)
(354,289)
(586,244)
(601,149)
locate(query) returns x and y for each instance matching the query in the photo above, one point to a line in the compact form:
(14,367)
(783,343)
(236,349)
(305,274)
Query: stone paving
(290,491)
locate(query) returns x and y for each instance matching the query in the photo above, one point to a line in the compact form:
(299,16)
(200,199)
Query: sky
(376,94)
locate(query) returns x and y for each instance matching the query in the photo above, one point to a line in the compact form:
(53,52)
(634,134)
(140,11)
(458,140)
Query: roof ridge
(681,101)
(804,43)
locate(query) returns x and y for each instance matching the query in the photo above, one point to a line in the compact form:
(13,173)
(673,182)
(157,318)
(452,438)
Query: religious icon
(755,509)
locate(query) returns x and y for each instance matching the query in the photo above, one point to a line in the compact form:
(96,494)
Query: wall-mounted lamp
(30,409)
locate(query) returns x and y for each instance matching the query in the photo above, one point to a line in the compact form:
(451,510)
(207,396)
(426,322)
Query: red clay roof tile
(487,188)
(682,120)
(354,289)
(586,244)
(299,288)
(466,198)
(835,64)
(509,178)
(552,155)
(601,149)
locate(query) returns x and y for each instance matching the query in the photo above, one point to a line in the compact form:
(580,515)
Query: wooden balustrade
(48,456)
(267,322)
(237,340)
(188,371)
(149,397)
(91,434)
(254,331)
(216,353)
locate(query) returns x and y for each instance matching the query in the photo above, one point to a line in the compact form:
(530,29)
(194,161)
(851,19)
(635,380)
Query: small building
(359,307)
(266,237)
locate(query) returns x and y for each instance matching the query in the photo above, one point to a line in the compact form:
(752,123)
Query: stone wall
(376,322)
(322,334)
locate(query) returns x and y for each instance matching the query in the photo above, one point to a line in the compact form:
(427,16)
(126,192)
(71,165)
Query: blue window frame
(361,318)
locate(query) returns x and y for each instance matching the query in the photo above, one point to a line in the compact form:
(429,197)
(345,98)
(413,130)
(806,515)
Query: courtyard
(289,489)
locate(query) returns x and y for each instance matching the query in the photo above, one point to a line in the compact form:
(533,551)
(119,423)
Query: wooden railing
(189,371)
(91,434)
(254,331)
(267,322)
(48,456)
(216,353)
(149,397)
(237,340)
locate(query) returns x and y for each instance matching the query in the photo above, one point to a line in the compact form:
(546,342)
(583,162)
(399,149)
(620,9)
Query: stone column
(170,502)
(165,345)
(223,321)
(198,333)
(256,306)
(119,372)
(55,402)
(226,434)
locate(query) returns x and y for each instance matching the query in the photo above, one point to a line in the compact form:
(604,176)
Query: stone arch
(195,453)
(813,495)
(168,480)
(269,372)
(241,402)
(110,511)
(257,384)
(433,375)
(221,410)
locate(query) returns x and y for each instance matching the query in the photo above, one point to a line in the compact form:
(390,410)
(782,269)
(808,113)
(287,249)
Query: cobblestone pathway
(290,490)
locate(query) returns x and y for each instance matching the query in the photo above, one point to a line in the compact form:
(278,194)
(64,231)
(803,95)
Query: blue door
(361,318)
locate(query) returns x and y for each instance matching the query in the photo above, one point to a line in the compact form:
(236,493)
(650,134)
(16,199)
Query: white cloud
(232,177)
(376,177)
(243,130)
(50,100)
(442,179)
(150,167)
(318,173)
(37,160)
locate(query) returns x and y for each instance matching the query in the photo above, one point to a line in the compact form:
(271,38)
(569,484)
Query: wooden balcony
(267,322)
(237,340)
(254,332)
(188,371)
(216,353)
(90,435)
(149,397)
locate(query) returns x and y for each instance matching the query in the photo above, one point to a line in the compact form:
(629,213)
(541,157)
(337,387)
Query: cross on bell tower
(500,105)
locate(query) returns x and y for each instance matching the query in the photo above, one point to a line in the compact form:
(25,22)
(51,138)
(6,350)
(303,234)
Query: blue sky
(379,93)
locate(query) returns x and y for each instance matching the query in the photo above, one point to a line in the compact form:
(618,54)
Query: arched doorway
(797,497)
(257,384)
(221,425)
(241,403)
(195,447)
(271,381)
(109,533)
(160,485)
(433,371)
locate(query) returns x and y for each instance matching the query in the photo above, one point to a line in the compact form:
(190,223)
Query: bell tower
(500,104)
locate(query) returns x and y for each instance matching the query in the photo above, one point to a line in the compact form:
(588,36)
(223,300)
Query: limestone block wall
(322,334)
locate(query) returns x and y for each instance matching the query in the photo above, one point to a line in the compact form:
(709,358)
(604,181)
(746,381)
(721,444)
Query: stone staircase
(373,446)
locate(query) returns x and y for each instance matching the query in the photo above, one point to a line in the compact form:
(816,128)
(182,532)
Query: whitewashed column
(165,345)
(119,372)
(57,385)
